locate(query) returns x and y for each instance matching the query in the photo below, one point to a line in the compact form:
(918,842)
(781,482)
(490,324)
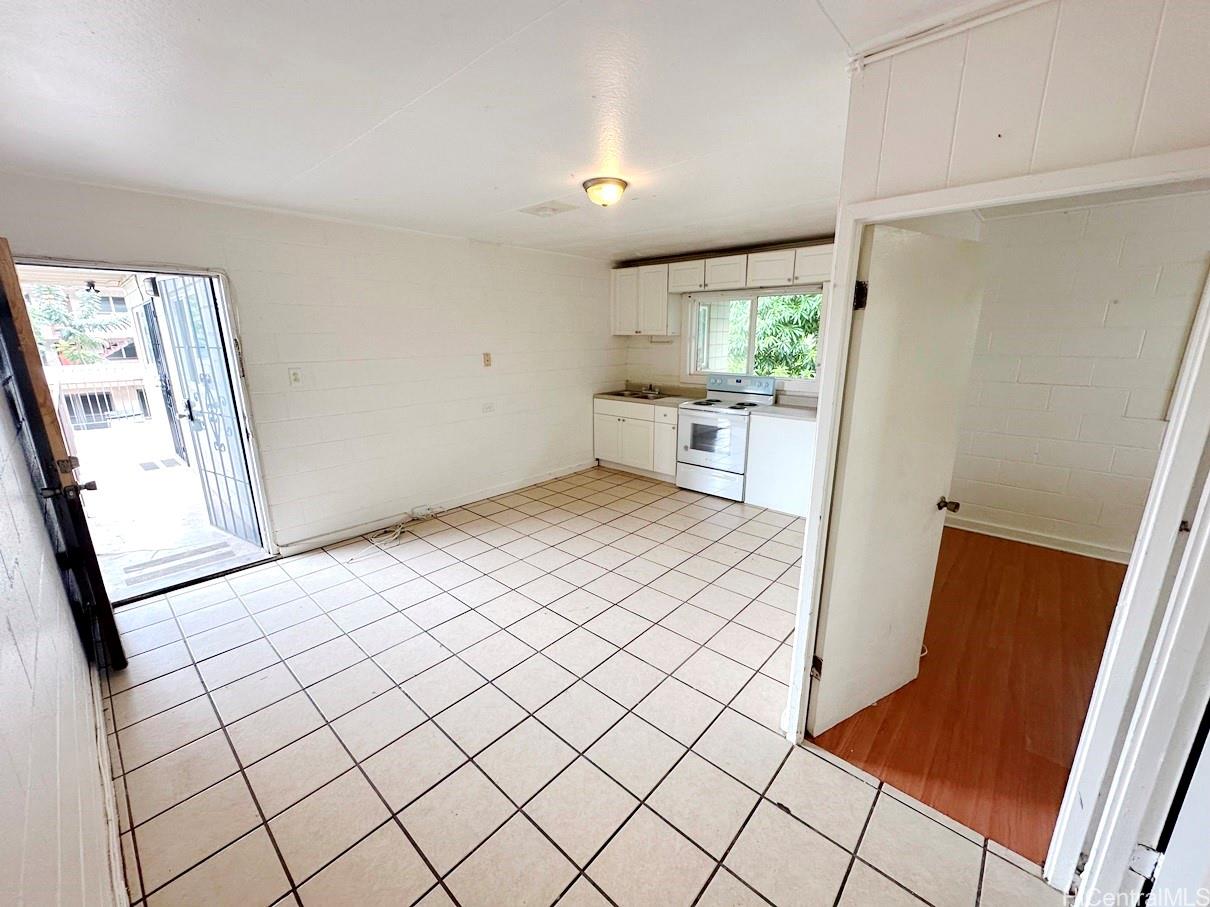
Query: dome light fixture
(605,190)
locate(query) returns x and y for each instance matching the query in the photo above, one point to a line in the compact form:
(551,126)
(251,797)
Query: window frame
(689,371)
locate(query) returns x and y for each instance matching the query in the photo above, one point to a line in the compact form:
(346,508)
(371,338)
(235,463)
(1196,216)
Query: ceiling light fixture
(605,190)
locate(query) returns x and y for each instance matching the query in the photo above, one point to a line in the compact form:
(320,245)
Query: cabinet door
(665,449)
(686,276)
(607,438)
(653,299)
(727,273)
(624,300)
(813,264)
(771,269)
(637,440)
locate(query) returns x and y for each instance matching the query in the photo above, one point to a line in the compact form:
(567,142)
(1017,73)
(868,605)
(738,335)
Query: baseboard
(645,473)
(113,826)
(343,535)
(1058,543)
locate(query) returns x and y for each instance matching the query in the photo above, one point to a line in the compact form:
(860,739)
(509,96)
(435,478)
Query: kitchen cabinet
(637,439)
(607,437)
(686,276)
(771,269)
(726,273)
(624,300)
(781,455)
(665,448)
(640,302)
(813,264)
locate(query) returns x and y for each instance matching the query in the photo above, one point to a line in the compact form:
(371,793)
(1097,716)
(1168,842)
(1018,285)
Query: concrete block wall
(396,409)
(1084,323)
(55,843)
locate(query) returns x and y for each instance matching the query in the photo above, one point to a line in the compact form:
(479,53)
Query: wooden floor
(988,731)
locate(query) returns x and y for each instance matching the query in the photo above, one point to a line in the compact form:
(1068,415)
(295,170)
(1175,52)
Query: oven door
(712,439)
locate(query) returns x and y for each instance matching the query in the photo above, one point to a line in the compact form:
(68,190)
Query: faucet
(651,388)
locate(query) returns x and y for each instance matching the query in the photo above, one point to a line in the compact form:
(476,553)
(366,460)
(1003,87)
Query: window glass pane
(722,336)
(787,330)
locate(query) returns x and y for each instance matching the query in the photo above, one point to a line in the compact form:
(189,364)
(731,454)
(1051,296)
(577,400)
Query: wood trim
(727,251)
(29,352)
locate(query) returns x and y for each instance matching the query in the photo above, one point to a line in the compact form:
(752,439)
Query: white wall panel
(917,137)
(863,131)
(1006,63)
(1178,96)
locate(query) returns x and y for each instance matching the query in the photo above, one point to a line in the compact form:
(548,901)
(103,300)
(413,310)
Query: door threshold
(268,558)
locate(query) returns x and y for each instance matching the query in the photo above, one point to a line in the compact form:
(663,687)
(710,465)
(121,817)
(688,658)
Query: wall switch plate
(487,360)
(295,376)
(489,407)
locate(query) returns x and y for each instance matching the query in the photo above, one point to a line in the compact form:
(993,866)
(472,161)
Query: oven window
(710,437)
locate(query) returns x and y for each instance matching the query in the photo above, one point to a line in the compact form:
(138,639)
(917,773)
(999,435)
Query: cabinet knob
(637,331)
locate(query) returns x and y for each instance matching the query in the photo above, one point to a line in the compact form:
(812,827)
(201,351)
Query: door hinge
(239,356)
(944,504)
(861,293)
(67,464)
(1185,526)
(151,286)
(1145,861)
(816,667)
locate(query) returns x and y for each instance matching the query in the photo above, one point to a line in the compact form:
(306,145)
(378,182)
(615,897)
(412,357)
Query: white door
(909,364)
(638,438)
(1184,873)
(607,438)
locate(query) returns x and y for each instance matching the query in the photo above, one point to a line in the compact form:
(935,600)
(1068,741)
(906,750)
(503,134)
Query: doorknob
(951,506)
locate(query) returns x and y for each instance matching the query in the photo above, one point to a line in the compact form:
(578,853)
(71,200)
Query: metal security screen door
(155,340)
(208,411)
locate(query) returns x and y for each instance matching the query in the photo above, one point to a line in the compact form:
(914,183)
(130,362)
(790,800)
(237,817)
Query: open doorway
(138,369)
(1023,482)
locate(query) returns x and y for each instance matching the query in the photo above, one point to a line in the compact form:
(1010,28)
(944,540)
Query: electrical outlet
(487,360)
(489,407)
(296,377)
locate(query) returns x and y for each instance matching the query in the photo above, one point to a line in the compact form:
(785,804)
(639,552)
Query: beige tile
(583,894)
(827,798)
(693,623)
(346,690)
(180,774)
(524,759)
(662,648)
(162,733)
(535,682)
(247,659)
(725,890)
(508,609)
(411,765)
(480,718)
(541,628)
(926,857)
(1005,885)
(935,815)
(306,765)
(324,660)
(435,610)
(371,726)
(743,748)
(786,861)
(580,809)
(287,615)
(716,676)
(224,638)
(455,816)
(382,871)
(248,694)
(408,659)
(442,685)
(649,862)
(580,715)
(149,665)
(763,700)
(635,754)
(247,872)
(496,654)
(145,639)
(329,821)
(678,710)
(580,651)
(189,832)
(579,606)
(383,633)
(463,631)
(361,613)
(274,726)
(743,645)
(516,860)
(703,803)
(546,589)
(618,625)
(625,679)
(865,886)
(155,696)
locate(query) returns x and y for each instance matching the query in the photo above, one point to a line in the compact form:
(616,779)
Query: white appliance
(712,434)
(781,453)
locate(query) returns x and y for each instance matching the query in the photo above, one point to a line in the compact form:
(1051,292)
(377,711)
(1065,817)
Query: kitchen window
(765,332)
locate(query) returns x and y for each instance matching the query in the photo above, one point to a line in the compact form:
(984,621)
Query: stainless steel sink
(637,395)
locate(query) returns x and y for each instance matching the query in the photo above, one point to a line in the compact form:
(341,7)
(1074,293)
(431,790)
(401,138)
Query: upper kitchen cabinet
(813,264)
(686,276)
(641,302)
(771,269)
(727,273)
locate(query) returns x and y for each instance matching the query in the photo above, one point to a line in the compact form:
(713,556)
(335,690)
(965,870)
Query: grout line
(857,846)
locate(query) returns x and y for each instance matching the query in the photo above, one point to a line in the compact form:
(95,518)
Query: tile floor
(567,694)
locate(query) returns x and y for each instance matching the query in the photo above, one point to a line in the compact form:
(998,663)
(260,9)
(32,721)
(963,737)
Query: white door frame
(229,324)
(1109,715)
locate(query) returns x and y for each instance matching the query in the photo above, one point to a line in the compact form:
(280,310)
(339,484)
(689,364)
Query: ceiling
(449,117)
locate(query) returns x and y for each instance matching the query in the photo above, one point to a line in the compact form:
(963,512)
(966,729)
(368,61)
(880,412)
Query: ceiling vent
(548,209)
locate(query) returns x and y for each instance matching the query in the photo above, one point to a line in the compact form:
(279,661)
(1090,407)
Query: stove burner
(707,402)
(743,405)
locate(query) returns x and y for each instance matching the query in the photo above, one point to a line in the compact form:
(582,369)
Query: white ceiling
(449,117)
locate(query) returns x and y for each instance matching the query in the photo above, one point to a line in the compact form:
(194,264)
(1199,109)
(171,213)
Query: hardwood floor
(987,732)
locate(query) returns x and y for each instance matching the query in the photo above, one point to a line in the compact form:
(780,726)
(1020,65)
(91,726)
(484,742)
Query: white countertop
(781,411)
(663,401)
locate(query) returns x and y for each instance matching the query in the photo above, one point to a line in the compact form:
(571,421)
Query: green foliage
(73,332)
(787,329)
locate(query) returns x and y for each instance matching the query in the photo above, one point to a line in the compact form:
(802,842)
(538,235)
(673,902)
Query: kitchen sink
(638,395)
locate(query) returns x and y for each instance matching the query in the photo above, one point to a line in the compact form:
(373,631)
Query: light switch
(295,376)
(487,360)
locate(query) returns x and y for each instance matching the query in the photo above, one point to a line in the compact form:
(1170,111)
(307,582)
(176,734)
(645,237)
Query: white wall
(655,361)
(55,843)
(1082,330)
(389,327)
(1058,85)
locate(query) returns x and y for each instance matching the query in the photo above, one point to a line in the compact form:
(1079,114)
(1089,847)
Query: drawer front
(625,409)
(665,414)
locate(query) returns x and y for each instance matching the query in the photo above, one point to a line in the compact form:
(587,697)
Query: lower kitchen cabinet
(607,438)
(637,439)
(632,434)
(665,449)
